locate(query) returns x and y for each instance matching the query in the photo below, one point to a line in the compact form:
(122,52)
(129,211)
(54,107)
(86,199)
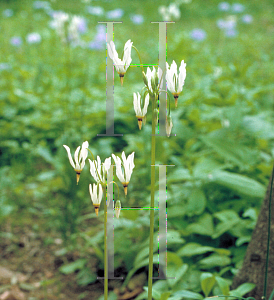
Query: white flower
(120,65)
(128,165)
(174,83)
(79,158)
(168,12)
(58,23)
(99,171)
(33,38)
(95,196)
(76,26)
(140,113)
(169,126)
(152,78)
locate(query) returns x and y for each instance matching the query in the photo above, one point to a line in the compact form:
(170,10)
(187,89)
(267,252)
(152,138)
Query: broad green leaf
(204,226)
(165,296)
(239,183)
(196,202)
(72,267)
(214,260)
(192,249)
(223,284)
(243,289)
(179,175)
(175,271)
(207,282)
(183,294)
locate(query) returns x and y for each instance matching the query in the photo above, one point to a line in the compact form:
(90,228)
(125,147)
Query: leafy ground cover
(54,93)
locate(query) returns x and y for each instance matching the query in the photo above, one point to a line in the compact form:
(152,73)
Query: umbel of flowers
(153,83)
(99,173)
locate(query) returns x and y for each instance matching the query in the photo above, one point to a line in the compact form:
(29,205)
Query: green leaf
(196,202)
(111,296)
(239,183)
(204,226)
(72,267)
(223,284)
(214,260)
(186,294)
(175,271)
(165,296)
(207,282)
(192,249)
(242,289)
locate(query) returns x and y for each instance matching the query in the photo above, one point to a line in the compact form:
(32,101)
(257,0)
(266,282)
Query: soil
(29,268)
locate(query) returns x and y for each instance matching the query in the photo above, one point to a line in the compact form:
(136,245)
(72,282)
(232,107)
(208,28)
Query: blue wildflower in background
(8,13)
(232,32)
(99,42)
(33,38)
(137,19)
(247,19)
(115,14)
(237,7)
(198,34)
(224,6)
(16,41)
(95,10)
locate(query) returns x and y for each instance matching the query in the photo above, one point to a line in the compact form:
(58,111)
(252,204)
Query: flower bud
(117,208)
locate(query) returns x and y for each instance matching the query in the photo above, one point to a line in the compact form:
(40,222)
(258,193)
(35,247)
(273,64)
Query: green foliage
(223,150)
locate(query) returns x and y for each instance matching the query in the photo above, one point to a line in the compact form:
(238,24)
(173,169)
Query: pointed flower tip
(140,123)
(77,177)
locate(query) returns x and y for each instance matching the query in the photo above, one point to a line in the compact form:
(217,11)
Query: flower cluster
(99,172)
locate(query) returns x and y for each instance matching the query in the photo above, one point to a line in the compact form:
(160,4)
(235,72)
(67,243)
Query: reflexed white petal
(182,75)
(146,105)
(83,154)
(69,156)
(76,158)
(127,53)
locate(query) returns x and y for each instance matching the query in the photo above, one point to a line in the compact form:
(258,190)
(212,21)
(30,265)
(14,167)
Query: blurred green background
(53,93)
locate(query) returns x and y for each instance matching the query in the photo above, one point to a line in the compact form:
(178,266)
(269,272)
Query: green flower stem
(152,188)
(139,58)
(105,247)
(268,234)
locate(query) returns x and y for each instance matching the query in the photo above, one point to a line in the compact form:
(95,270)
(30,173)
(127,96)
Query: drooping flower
(99,171)
(140,113)
(169,12)
(128,164)
(120,65)
(169,125)
(80,159)
(152,78)
(175,83)
(77,26)
(96,197)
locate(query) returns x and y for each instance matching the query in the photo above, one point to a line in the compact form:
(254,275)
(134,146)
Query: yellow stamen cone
(140,121)
(176,100)
(96,207)
(77,177)
(121,79)
(125,187)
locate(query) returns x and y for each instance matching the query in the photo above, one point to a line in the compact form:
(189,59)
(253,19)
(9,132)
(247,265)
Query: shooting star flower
(140,113)
(128,164)
(175,83)
(120,65)
(96,197)
(79,159)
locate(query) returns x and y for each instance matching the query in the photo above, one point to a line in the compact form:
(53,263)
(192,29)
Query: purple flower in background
(95,10)
(231,32)
(226,24)
(99,41)
(115,14)
(8,13)
(198,34)
(247,19)
(33,38)
(224,6)
(237,8)
(137,19)
(16,41)
(96,45)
